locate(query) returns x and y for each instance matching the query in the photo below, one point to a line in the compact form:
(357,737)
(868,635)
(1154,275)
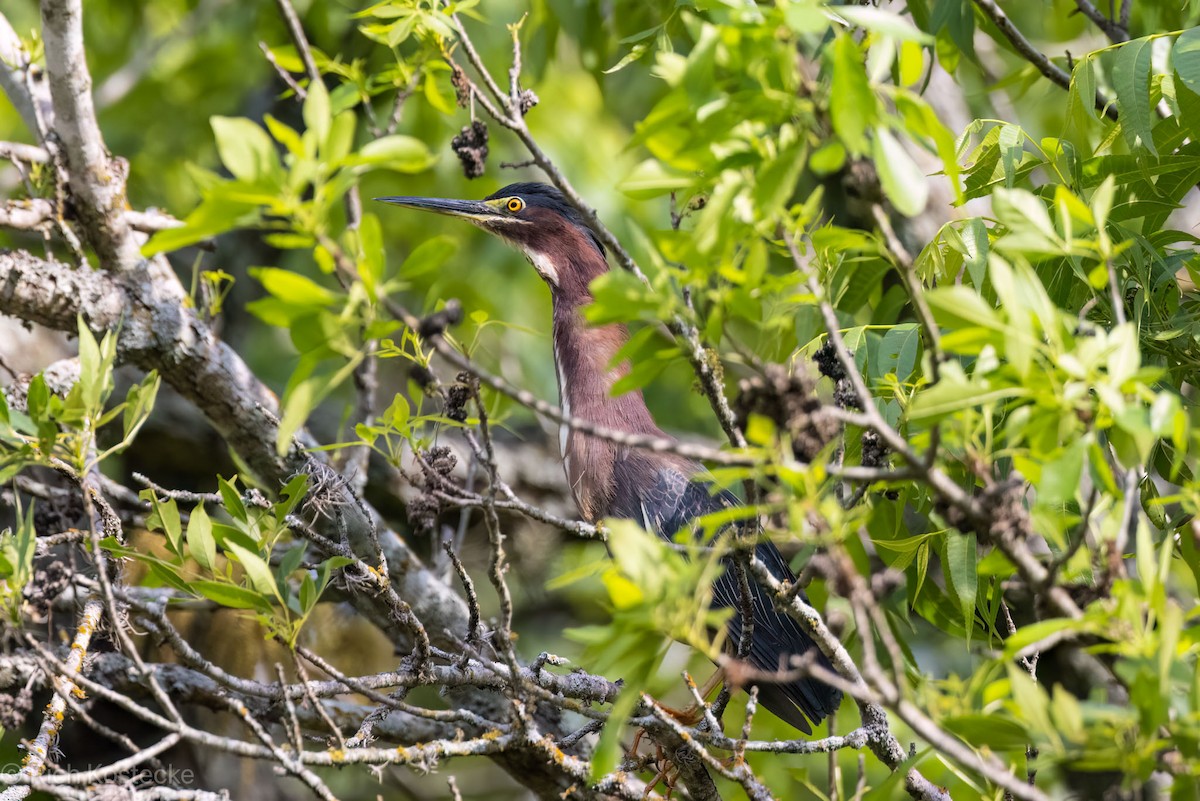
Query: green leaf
(285,135)
(1060,476)
(200,541)
(635,53)
(308,594)
(167,574)
(1036,632)
(1067,714)
(246,150)
(304,395)
(91,377)
(341,137)
(805,18)
(291,560)
(903,181)
(405,154)
(948,397)
(292,493)
(922,566)
(168,514)
(898,352)
(975,246)
(429,255)
(959,307)
(1102,200)
(215,215)
(853,105)
(651,179)
(257,570)
(318,117)
(372,262)
(292,287)
(882,21)
(961,559)
(1027,220)
(231,595)
(23,544)
(1083,87)
(1011,145)
(139,402)
(828,159)
(37,398)
(993,731)
(231,500)
(777,178)
(1131,80)
(1185,57)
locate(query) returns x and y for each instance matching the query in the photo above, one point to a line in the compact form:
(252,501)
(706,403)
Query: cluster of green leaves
(1003,709)
(645,584)
(245,563)
(294,196)
(63,427)
(60,429)
(771,142)
(1044,379)
(17,549)
(297,197)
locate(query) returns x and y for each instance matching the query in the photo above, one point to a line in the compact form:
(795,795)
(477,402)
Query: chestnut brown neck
(583,358)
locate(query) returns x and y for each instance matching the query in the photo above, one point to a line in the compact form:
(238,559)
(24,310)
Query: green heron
(663,492)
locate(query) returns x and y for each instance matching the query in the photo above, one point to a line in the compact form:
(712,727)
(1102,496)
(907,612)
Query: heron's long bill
(469,209)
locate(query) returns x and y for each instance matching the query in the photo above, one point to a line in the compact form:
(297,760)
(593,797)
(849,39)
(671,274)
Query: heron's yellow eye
(515,204)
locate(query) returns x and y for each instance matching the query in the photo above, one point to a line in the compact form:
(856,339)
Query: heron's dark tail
(776,639)
(798,702)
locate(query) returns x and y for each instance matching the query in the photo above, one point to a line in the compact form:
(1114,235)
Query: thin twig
(300,91)
(17,151)
(1117,32)
(296,31)
(316,705)
(1037,58)
(468,588)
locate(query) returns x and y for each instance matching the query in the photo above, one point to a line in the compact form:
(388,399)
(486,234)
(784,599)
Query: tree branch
(1116,32)
(64,685)
(1036,57)
(35,213)
(96,181)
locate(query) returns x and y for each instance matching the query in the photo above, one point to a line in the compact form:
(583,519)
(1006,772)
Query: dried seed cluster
(789,401)
(874,451)
(48,582)
(828,363)
(437,465)
(471,147)
(15,708)
(1003,507)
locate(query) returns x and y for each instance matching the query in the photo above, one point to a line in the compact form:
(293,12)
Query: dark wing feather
(665,499)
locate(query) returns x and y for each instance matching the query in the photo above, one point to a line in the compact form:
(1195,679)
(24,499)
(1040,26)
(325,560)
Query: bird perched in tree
(663,492)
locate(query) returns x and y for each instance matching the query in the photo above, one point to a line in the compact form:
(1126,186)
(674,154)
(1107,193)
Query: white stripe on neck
(543,264)
(564,400)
